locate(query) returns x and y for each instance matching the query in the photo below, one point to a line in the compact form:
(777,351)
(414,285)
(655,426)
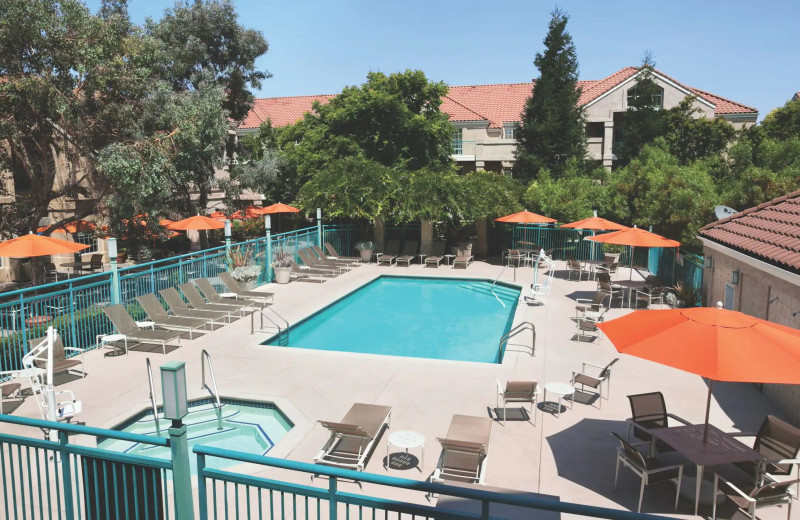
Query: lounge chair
(333,254)
(437,253)
(353,439)
(332,262)
(61,365)
(233,286)
(463,255)
(9,391)
(409,253)
(307,274)
(312,261)
(179,307)
(464,450)
(390,252)
(159,316)
(197,301)
(126,326)
(211,294)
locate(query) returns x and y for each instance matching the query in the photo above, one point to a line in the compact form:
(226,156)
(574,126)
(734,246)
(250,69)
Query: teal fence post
(111,247)
(202,496)
(66,477)
(268,231)
(319,227)
(173,385)
(332,498)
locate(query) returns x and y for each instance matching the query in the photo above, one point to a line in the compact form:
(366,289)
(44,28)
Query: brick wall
(754,292)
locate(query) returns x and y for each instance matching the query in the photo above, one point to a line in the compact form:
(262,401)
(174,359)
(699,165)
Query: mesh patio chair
(409,253)
(333,254)
(514,257)
(437,253)
(779,443)
(649,469)
(648,295)
(649,411)
(609,269)
(152,307)
(588,308)
(575,267)
(748,497)
(613,292)
(518,392)
(464,450)
(587,326)
(126,326)
(596,380)
(390,252)
(61,364)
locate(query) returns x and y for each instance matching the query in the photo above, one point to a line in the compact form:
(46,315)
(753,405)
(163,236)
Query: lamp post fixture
(111,248)
(176,406)
(228,258)
(268,231)
(319,227)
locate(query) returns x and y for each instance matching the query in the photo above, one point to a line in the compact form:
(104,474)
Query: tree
(784,122)
(552,129)
(486,195)
(691,138)
(70,85)
(393,120)
(572,197)
(257,168)
(644,120)
(204,41)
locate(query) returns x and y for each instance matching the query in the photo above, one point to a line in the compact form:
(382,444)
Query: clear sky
(742,50)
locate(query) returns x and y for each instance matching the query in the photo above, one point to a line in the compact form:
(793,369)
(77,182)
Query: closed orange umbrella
(32,245)
(635,237)
(198,222)
(714,343)
(526,217)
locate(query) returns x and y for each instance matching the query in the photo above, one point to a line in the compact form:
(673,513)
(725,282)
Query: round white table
(406,439)
(562,390)
(103,340)
(449,259)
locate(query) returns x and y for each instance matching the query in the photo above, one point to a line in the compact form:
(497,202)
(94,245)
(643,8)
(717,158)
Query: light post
(111,248)
(319,227)
(268,231)
(176,406)
(228,244)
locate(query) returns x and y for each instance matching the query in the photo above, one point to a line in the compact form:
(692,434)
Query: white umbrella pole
(49,391)
(630,275)
(708,409)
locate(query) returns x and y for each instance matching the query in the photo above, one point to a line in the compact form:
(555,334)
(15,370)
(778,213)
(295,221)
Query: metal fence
(57,479)
(343,239)
(225,494)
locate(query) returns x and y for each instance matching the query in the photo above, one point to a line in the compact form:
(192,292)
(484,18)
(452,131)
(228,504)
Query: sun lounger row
(319,266)
(352,440)
(392,254)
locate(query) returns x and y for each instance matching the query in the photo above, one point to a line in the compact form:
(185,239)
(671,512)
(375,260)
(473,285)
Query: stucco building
(752,265)
(485,117)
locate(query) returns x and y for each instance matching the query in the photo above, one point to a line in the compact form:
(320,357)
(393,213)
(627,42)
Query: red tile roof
(496,104)
(769,231)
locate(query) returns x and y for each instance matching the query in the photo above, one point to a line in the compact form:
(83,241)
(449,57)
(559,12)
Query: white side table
(449,259)
(104,340)
(406,439)
(562,390)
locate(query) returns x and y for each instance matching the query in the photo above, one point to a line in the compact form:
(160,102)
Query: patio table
(630,286)
(720,448)
(75,266)
(593,265)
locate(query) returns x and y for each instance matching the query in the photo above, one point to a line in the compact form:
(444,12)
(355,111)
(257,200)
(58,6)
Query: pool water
(454,319)
(246,426)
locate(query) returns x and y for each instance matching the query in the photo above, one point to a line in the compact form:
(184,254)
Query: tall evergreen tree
(552,129)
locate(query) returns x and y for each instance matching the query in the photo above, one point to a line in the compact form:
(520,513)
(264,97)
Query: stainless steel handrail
(525,325)
(205,358)
(263,315)
(153,397)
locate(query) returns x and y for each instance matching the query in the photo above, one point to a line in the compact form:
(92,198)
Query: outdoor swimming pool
(436,318)
(247,426)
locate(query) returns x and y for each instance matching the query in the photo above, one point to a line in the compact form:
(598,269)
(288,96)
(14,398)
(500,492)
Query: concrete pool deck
(571,456)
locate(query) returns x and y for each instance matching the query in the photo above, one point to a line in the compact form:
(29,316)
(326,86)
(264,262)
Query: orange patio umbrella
(714,343)
(196,223)
(635,237)
(249,212)
(526,217)
(75,226)
(32,245)
(593,224)
(278,208)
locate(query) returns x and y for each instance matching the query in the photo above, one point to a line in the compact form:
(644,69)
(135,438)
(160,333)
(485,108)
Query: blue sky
(744,51)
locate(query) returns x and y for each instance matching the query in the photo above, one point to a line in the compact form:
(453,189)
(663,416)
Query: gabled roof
(769,231)
(796,96)
(494,104)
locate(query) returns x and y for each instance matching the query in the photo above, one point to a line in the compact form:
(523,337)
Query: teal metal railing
(225,494)
(59,479)
(343,239)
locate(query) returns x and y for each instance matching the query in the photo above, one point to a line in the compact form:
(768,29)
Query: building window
(656,97)
(595,129)
(730,295)
(508,132)
(458,142)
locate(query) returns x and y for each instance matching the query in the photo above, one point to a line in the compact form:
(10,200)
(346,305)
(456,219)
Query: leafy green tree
(783,123)
(691,138)
(204,41)
(552,129)
(644,120)
(393,120)
(427,195)
(486,195)
(572,197)
(70,85)
(258,167)
(655,190)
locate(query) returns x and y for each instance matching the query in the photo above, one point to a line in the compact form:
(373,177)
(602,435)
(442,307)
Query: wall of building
(762,294)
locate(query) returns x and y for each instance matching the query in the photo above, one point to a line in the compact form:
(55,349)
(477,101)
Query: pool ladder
(205,359)
(525,325)
(153,397)
(283,331)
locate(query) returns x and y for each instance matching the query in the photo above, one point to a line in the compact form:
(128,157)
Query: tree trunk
(482,243)
(203,204)
(380,234)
